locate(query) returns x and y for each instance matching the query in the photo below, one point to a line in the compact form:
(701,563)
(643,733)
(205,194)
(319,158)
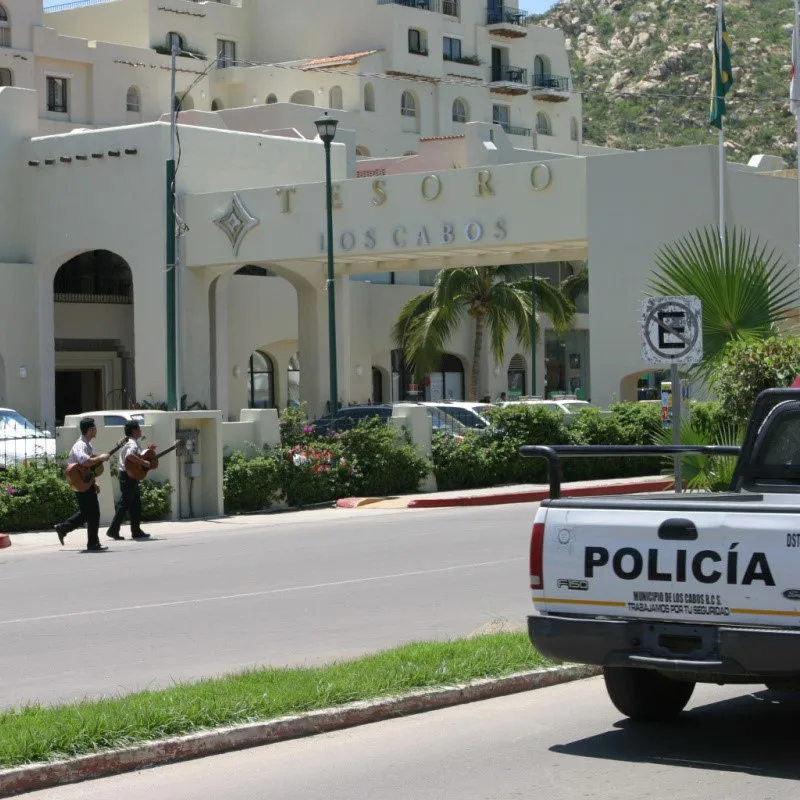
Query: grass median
(46,733)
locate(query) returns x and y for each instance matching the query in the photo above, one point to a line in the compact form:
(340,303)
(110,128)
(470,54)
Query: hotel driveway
(205,598)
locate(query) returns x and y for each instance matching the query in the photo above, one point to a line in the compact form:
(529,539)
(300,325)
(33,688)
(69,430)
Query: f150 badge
(573,584)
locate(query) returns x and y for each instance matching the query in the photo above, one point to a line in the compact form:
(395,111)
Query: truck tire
(642,694)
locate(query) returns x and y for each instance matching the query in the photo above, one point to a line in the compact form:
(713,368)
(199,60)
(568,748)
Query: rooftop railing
(498,16)
(425,5)
(515,130)
(508,74)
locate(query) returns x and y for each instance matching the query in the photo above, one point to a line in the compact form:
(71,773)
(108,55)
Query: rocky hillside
(645,69)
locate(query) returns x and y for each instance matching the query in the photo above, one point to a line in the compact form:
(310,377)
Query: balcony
(425,5)
(550,88)
(514,130)
(506,22)
(507,79)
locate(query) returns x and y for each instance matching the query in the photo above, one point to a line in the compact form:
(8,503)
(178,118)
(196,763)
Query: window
(408,105)
(460,111)
(6,77)
(226,53)
(57,89)
(516,377)
(335,99)
(5,30)
(303,97)
(271,99)
(501,115)
(261,381)
(452,48)
(293,383)
(416,42)
(573,129)
(216,104)
(369,97)
(174,37)
(132,100)
(543,124)
(540,66)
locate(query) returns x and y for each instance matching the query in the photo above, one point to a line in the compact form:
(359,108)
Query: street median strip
(45,747)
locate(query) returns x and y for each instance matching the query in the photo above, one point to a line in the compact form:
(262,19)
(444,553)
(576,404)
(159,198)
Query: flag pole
(722,154)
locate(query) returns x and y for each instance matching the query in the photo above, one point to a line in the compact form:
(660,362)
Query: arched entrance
(446,382)
(93,330)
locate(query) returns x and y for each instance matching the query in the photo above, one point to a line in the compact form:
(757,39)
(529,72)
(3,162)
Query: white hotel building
(459,144)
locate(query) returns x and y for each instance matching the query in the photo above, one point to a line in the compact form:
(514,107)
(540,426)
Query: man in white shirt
(88,505)
(130,501)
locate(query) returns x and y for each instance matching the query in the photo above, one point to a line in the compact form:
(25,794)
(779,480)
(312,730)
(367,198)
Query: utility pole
(171,271)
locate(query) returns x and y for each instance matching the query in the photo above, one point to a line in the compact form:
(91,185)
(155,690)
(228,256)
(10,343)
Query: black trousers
(130,502)
(89,514)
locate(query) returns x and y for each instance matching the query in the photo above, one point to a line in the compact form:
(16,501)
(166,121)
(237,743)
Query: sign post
(672,333)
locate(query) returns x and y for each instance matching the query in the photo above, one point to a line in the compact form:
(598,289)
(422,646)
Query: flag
(721,76)
(794,86)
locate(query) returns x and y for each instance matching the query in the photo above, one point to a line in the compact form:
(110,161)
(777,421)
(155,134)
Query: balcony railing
(450,8)
(509,74)
(515,130)
(5,37)
(425,5)
(545,80)
(498,16)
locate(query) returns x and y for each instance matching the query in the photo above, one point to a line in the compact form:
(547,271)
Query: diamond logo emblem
(237,222)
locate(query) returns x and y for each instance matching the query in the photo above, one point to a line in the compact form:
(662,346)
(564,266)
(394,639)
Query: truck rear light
(537,553)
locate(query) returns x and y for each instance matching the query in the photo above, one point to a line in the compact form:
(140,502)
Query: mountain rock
(662,51)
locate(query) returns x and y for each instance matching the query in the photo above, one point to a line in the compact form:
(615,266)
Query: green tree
(745,290)
(498,305)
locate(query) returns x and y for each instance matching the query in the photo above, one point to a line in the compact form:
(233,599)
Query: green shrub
(469,463)
(314,473)
(249,484)
(34,497)
(382,460)
(294,426)
(745,369)
(156,500)
(708,418)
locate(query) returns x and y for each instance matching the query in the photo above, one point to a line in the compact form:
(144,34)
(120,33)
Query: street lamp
(326,127)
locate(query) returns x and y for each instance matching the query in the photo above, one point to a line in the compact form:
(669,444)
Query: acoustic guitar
(81,478)
(139,472)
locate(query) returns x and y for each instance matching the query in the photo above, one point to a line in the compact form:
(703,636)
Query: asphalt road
(202,599)
(561,743)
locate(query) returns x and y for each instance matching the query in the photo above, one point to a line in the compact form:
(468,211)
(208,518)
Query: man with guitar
(130,501)
(88,512)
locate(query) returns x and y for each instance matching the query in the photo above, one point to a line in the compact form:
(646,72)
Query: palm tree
(745,289)
(488,295)
(576,285)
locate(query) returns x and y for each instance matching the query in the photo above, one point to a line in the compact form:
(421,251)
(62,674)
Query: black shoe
(62,534)
(96,548)
(140,535)
(116,536)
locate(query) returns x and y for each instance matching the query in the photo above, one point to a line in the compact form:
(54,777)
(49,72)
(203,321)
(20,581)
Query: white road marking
(102,611)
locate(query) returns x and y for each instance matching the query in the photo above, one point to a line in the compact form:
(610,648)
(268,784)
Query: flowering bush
(34,497)
(314,473)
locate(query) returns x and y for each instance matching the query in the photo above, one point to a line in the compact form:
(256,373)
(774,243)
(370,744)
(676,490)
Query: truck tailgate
(699,566)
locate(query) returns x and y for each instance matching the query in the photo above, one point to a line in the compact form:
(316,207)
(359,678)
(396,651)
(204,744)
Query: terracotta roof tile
(338,61)
(440,138)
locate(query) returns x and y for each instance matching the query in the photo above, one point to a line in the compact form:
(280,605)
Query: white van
(22,441)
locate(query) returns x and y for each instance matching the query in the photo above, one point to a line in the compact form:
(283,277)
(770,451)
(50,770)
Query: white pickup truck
(667,590)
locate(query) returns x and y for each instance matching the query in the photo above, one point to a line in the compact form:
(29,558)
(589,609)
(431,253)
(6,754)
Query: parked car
(563,405)
(22,441)
(349,416)
(472,415)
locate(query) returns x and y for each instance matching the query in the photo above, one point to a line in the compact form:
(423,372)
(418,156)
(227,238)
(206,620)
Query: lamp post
(172,293)
(326,127)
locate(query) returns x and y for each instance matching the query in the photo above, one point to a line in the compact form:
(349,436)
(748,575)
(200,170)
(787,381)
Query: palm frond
(509,309)
(551,301)
(576,285)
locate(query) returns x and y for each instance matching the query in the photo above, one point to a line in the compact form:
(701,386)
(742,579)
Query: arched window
(460,111)
(133,100)
(6,77)
(305,97)
(369,97)
(261,381)
(516,377)
(540,66)
(216,104)
(543,124)
(5,29)
(335,99)
(293,383)
(174,37)
(271,99)
(573,129)
(447,382)
(184,102)
(408,105)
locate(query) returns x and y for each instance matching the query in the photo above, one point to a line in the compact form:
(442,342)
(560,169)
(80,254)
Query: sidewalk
(520,493)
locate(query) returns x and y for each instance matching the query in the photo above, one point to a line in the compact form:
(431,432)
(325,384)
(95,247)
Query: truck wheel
(642,694)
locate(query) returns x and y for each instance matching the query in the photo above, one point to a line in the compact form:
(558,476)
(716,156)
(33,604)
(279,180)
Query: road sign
(672,330)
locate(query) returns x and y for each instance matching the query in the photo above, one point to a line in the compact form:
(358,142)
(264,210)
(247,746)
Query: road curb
(504,498)
(208,743)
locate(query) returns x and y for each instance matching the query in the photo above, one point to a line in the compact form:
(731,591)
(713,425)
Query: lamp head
(326,127)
